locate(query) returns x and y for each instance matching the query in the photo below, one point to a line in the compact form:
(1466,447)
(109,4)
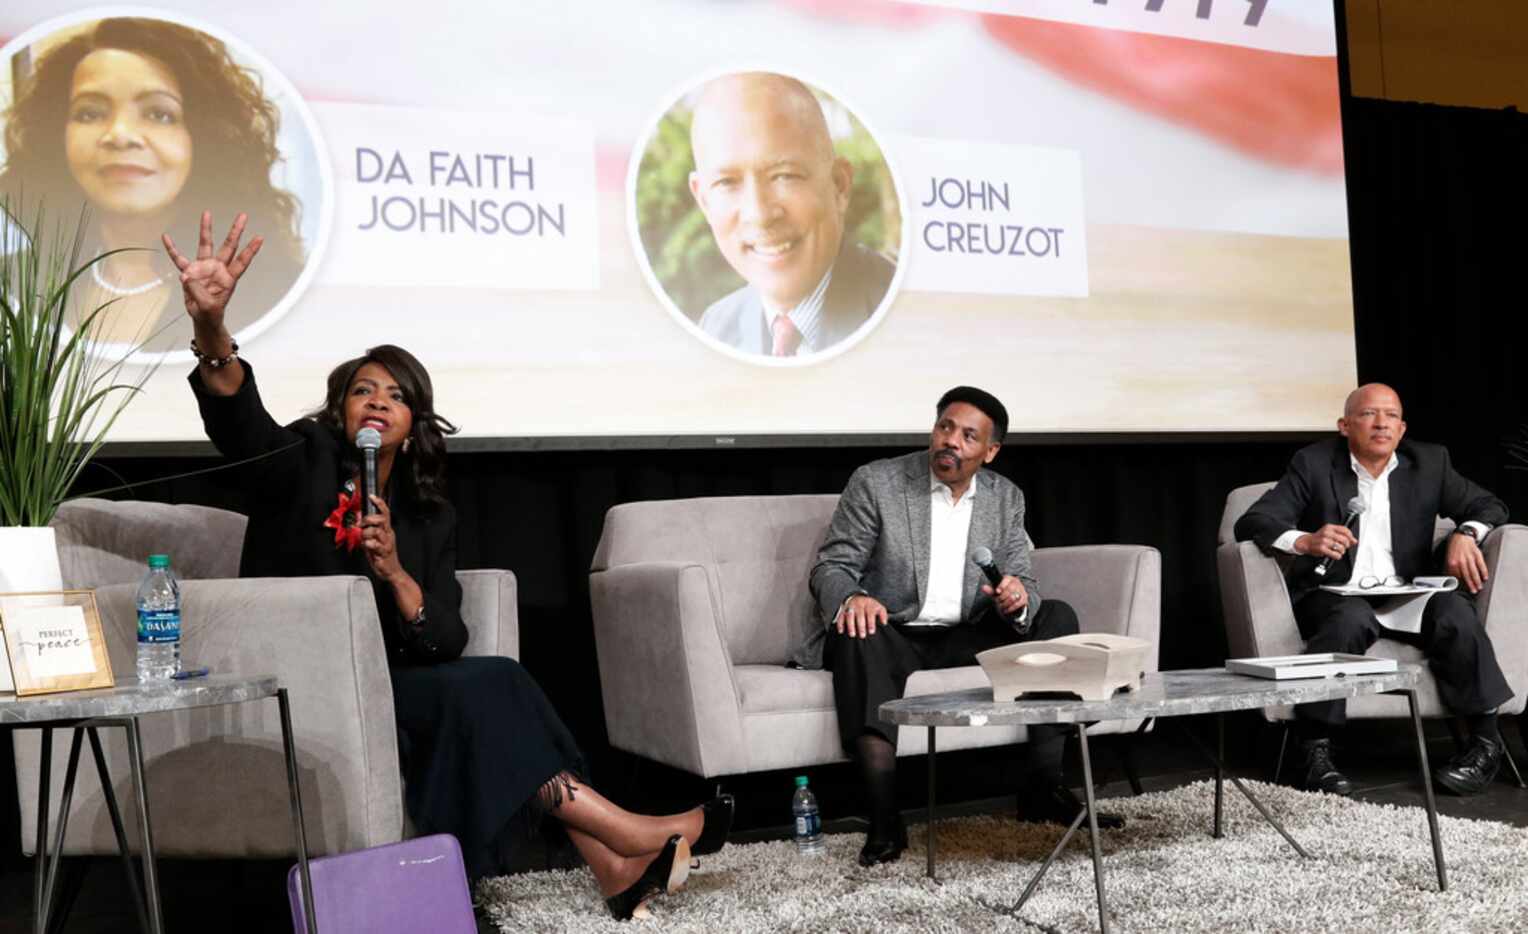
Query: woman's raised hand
(209,280)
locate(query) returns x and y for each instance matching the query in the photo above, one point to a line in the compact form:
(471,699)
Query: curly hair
(232,125)
(425,462)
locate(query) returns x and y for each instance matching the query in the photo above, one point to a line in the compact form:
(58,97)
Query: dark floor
(250,896)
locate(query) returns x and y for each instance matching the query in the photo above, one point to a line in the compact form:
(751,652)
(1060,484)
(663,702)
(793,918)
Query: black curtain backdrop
(1437,200)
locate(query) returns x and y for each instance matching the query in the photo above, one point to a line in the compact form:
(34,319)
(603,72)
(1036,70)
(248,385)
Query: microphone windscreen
(1356,506)
(982,556)
(368,439)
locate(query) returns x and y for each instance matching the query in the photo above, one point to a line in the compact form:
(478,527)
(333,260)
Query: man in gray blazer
(775,195)
(897,593)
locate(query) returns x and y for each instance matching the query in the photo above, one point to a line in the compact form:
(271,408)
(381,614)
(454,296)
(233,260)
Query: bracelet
(215,363)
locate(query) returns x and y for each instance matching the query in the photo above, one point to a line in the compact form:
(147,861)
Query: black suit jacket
(1315,491)
(291,493)
(860,280)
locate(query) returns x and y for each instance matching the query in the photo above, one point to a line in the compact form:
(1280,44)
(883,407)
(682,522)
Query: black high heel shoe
(665,874)
(717,814)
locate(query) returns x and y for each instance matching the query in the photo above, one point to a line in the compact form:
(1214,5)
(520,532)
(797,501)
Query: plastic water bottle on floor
(808,820)
(158,622)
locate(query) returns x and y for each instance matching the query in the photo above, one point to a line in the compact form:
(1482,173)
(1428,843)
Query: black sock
(1042,759)
(877,759)
(1483,724)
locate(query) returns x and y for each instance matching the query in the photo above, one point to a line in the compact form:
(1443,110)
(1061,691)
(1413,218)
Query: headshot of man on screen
(775,194)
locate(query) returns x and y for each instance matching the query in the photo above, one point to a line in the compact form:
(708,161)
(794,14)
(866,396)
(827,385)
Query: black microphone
(1356,508)
(369,440)
(982,558)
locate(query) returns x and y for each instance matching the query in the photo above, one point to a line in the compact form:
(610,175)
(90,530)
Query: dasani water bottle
(158,622)
(808,820)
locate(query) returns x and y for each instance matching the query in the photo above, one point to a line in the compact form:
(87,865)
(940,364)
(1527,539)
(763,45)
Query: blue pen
(188,673)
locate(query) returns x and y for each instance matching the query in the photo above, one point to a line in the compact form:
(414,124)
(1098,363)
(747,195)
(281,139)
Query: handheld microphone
(1356,508)
(369,440)
(982,558)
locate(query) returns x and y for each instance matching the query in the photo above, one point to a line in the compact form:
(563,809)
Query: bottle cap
(800,781)
(159,561)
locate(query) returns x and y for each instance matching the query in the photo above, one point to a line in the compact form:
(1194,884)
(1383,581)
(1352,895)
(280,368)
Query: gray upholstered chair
(216,777)
(698,602)
(1260,621)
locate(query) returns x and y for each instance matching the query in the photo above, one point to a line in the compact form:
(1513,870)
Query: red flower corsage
(345,520)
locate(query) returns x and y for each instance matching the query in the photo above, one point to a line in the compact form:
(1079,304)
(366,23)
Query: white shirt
(806,316)
(1375,556)
(949,530)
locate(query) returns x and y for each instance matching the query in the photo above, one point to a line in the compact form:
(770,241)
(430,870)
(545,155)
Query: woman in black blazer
(485,756)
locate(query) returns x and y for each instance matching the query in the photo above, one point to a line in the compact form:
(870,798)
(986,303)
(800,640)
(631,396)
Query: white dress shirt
(806,316)
(949,530)
(1375,556)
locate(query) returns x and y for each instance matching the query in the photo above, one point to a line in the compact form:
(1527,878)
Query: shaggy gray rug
(1372,871)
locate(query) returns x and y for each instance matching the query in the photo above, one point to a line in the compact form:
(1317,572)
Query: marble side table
(1161,694)
(85,712)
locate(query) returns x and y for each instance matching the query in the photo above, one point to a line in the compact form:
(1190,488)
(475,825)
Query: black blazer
(292,492)
(1315,491)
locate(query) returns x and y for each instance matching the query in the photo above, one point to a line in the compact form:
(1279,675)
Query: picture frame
(54,642)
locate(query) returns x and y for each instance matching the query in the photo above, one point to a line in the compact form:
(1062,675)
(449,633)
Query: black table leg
(56,857)
(1262,809)
(140,788)
(302,834)
(40,860)
(1092,805)
(928,833)
(1220,771)
(116,826)
(1427,793)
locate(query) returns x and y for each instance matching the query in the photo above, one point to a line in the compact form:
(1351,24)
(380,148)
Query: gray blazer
(860,280)
(878,544)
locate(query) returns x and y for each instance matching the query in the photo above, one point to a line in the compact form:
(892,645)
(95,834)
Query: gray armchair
(1260,621)
(216,777)
(698,602)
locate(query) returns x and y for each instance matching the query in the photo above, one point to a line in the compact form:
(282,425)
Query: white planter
(28,564)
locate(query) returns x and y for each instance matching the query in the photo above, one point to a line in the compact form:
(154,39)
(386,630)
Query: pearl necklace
(100,280)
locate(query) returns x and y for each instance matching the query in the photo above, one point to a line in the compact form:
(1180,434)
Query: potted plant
(58,396)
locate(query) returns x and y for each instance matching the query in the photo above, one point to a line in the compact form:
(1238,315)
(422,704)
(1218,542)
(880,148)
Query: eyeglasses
(1369,582)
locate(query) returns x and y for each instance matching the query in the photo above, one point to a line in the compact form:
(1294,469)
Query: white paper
(1401,608)
(54,640)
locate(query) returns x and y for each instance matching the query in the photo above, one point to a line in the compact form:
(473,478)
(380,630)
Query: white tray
(1320,665)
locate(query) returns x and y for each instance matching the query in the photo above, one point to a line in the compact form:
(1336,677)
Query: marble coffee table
(1161,694)
(121,706)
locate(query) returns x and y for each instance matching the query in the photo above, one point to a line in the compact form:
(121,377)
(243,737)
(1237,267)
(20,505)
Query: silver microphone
(369,440)
(1356,508)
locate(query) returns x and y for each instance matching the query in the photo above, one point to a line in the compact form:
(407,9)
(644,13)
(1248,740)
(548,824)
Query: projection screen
(592,219)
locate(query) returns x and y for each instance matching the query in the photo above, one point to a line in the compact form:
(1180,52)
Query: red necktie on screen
(787,338)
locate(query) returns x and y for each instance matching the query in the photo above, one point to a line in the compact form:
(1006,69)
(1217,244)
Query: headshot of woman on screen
(144,124)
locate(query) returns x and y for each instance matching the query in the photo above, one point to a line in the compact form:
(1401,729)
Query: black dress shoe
(666,873)
(717,814)
(1320,772)
(1473,770)
(884,848)
(1055,804)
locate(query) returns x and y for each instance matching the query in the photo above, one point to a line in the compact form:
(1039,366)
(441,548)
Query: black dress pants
(871,671)
(1453,639)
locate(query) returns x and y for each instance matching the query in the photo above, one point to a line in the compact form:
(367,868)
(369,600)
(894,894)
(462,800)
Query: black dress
(480,743)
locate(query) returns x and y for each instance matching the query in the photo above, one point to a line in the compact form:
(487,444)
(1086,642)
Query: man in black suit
(1404,486)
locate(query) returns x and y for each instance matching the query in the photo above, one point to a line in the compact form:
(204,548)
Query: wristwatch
(1469,530)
